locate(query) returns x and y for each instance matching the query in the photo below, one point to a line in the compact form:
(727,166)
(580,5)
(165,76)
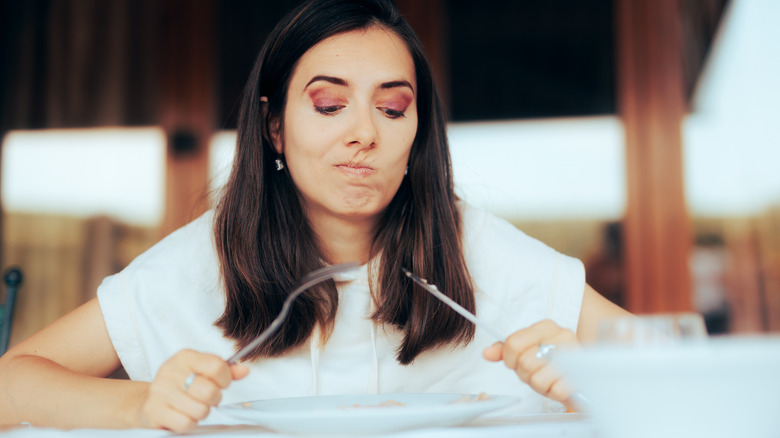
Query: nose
(363,130)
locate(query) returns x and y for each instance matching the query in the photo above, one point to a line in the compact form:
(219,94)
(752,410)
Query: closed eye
(393,114)
(328,110)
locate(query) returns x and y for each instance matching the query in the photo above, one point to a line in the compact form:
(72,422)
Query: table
(526,426)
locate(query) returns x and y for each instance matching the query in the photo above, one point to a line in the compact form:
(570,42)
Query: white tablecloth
(537,426)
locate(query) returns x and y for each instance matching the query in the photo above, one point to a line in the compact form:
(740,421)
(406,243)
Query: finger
(527,364)
(528,338)
(529,361)
(562,392)
(564,338)
(194,401)
(535,357)
(176,421)
(187,404)
(238,371)
(212,367)
(494,353)
(576,401)
(158,414)
(543,379)
(204,390)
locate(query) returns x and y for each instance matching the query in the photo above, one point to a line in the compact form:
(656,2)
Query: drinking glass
(653,329)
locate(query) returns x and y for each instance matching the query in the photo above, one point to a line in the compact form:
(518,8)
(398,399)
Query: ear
(275,134)
(272,129)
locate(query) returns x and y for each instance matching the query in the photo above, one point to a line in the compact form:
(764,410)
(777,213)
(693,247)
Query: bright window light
(732,140)
(542,169)
(221,152)
(86,172)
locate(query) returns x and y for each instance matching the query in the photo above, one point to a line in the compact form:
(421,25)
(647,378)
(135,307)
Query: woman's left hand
(523,353)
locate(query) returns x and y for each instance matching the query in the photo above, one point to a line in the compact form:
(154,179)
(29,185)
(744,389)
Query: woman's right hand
(170,404)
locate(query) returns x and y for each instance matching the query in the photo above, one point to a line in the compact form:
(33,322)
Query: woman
(341,156)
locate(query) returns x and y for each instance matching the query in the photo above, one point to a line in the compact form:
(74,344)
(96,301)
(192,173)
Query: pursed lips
(356,169)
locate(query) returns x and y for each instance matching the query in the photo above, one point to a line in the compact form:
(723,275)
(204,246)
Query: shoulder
(184,260)
(197,235)
(513,270)
(489,237)
(190,249)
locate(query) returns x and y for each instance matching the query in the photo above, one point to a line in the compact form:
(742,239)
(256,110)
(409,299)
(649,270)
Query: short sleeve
(123,328)
(166,300)
(525,279)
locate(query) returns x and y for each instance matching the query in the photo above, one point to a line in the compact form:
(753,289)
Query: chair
(13,279)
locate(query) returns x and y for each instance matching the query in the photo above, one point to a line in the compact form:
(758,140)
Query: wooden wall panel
(768,242)
(429,20)
(188,107)
(651,103)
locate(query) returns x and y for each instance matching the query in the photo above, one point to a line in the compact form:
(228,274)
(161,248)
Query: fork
(312,278)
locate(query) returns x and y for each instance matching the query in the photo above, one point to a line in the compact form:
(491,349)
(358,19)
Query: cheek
(305,135)
(408,134)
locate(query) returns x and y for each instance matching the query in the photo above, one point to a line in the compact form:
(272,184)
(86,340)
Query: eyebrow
(331,79)
(343,82)
(396,84)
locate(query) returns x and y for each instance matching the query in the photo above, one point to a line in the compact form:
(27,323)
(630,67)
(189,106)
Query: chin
(362,211)
(360,214)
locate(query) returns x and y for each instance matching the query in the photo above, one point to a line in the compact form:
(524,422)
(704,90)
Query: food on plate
(472,398)
(384,404)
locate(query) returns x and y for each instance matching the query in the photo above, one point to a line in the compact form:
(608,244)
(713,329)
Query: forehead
(374,53)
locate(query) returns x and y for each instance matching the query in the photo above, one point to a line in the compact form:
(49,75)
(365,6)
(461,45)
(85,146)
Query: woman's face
(349,123)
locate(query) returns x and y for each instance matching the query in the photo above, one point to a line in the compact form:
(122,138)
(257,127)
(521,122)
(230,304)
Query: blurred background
(639,136)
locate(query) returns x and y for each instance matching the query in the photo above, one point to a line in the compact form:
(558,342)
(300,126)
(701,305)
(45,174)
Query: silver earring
(279,164)
(406,171)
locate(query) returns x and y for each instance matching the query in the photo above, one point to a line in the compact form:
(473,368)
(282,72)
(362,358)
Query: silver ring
(544,350)
(188,382)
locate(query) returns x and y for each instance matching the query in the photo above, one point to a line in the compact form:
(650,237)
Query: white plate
(359,413)
(721,388)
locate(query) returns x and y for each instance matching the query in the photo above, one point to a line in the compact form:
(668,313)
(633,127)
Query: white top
(169,297)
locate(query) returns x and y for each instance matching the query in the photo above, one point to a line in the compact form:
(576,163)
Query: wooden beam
(188,106)
(651,103)
(429,21)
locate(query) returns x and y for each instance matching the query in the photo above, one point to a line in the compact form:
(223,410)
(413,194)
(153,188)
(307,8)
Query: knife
(455,306)
(580,400)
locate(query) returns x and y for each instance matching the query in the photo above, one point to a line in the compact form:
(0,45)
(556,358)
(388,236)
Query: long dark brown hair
(264,240)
